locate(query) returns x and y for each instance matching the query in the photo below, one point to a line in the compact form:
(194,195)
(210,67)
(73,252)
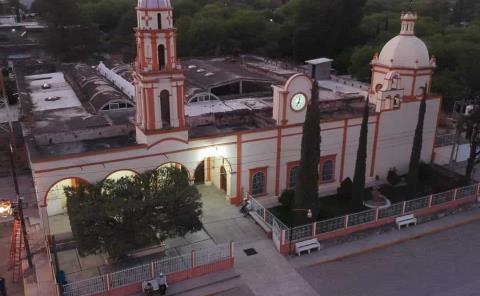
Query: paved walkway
(13,289)
(269,273)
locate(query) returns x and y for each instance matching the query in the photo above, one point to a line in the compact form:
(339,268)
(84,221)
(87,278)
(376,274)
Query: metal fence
(305,232)
(331,225)
(143,272)
(445,140)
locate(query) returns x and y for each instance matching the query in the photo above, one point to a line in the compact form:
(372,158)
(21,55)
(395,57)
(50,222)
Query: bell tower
(158,78)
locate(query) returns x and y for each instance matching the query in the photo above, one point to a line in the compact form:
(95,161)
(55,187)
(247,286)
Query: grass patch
(330,207)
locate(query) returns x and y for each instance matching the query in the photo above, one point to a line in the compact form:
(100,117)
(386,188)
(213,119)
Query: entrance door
(200,174)
(223,179)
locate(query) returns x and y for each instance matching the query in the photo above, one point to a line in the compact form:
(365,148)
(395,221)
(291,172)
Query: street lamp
(5,209)
(309,216)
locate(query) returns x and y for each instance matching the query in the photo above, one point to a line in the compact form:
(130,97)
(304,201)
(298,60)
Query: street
(443,264)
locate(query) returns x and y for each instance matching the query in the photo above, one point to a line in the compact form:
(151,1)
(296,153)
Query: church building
(177,113)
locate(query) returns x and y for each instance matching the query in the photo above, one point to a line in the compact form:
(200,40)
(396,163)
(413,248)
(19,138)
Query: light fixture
(5,208)
(309,214)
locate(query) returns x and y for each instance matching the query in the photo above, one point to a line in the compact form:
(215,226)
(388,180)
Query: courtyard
(222,223)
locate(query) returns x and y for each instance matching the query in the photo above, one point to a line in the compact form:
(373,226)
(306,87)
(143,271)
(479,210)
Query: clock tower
(290,100)
(158,78)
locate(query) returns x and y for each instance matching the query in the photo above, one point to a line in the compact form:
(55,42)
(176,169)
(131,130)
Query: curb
(207,284)
(395,242)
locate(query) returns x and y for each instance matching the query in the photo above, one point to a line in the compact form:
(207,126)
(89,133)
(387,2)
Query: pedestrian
(3,288)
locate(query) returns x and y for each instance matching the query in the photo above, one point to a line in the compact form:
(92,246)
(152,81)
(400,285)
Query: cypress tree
(361,163)
(414,168)
(306,190)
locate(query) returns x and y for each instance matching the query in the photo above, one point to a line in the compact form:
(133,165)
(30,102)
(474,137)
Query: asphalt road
(443,264)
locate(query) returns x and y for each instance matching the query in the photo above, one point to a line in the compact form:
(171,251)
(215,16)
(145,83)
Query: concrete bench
(406,220)
(308,245)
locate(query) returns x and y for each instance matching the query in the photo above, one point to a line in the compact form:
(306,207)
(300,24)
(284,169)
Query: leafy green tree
(414,168)
(358,189)
(306,190)
(470,125)
(149,208)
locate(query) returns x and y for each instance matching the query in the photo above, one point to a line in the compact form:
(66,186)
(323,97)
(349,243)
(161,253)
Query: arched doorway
(165,108)
(223,179)
(199,175)
(178,166)
(56,201)
(121,174)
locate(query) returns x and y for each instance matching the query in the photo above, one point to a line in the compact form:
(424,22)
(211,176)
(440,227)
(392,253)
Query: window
(161,57)
(258,181)
(293,168)
(159,21)
(165,108)
(327,169)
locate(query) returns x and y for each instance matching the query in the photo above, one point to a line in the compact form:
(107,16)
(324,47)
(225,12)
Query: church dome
(154,4)
(405,50)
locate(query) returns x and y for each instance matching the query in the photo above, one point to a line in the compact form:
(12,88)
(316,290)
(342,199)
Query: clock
(298,102)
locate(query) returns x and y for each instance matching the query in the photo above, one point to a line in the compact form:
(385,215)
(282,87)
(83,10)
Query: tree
(361,162)
(306,190)
(414,168)
(149,208)
(470,124)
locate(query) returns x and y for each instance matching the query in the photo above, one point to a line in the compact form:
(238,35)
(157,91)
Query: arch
(56,201)
(121,173)
(165,108)
(176,164)
(201,97)
(199,174)
(161,57)
(45,199)
(167,139)
(223,179)
(291,79)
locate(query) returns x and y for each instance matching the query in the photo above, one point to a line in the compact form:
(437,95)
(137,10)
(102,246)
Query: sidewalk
(377,241)
(269,273)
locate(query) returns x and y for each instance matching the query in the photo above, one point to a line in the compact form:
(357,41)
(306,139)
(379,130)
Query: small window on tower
(159,21)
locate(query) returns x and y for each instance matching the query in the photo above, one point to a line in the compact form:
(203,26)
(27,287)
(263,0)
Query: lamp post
(11,153)
(309,216)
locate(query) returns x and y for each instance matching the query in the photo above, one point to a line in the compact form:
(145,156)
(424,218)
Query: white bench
(406,220)
(308,245)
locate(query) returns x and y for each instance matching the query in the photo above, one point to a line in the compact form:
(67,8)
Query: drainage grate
(250,252)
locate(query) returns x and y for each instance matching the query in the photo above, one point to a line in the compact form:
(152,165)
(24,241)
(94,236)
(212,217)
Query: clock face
(298,102)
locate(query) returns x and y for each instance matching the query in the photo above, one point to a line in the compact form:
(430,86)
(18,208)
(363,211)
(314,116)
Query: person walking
(3,288)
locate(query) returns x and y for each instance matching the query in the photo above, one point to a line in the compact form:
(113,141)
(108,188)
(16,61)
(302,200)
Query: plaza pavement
(443,264)
(269,273)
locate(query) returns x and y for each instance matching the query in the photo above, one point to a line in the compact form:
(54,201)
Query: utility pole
(11,152)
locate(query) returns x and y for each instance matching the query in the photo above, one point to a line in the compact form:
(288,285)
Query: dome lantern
(408,20)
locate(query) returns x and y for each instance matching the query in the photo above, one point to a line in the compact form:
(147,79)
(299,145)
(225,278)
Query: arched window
(161,57)
(327,171)
(258,181)
(165,108)
(293,176)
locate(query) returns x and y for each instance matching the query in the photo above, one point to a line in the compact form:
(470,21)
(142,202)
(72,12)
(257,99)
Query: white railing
(143,272)
(308,231)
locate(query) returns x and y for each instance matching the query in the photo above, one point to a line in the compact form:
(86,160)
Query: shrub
(346,188)
(287,198)
(393,178)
